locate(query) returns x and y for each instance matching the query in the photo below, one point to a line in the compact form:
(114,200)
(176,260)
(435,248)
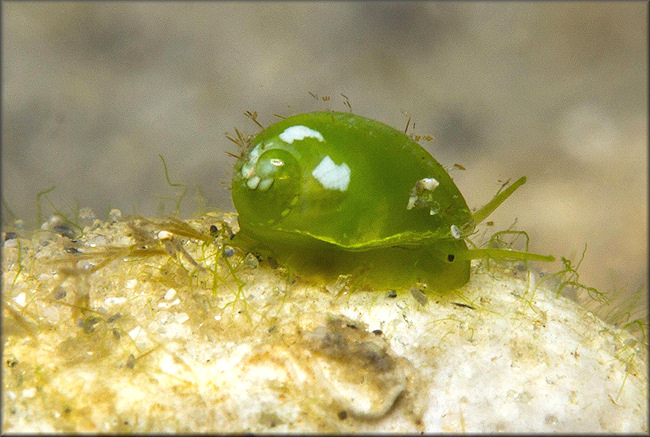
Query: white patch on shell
(455,232)
(411,203)
(429,183)
(332,176)
(248,168)
(426,184)
(297,133)
(253,182)
(265,184)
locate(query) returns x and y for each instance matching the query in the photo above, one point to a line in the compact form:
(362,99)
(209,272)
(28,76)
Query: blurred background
(92,93)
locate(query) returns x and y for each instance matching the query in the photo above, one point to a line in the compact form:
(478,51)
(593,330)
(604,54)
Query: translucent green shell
(329,193)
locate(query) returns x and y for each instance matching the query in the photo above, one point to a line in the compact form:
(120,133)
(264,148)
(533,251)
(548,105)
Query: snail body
(330,193)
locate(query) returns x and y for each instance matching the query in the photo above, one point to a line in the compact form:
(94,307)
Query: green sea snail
(330,193)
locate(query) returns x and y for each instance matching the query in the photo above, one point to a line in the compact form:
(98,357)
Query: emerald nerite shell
(329,193)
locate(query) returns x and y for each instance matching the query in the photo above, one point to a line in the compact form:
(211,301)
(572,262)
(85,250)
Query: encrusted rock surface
(143,325)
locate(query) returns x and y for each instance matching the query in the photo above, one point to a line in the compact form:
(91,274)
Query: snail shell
(328,193)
